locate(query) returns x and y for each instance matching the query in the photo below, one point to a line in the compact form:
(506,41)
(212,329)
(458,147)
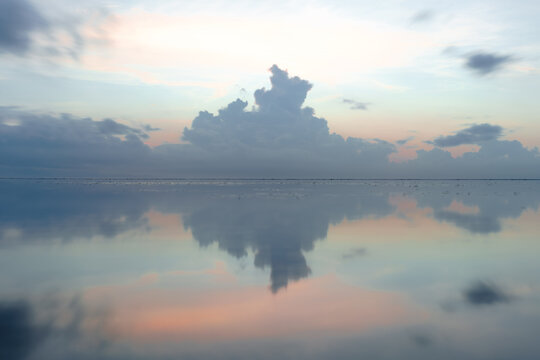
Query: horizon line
(266,179)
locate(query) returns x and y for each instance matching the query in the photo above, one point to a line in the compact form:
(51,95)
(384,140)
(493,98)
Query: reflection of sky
(355,270)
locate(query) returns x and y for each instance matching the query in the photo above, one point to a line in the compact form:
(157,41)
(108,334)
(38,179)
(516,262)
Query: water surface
(268,269)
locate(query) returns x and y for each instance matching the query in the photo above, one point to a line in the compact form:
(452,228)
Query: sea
(297,269)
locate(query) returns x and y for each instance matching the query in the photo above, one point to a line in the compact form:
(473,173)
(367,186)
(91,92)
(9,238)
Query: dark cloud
(484,294)
(52,327)
(485,63)
(474,134)
(356,105)
(65,145)
(19,335)
(19,19)
(422,16)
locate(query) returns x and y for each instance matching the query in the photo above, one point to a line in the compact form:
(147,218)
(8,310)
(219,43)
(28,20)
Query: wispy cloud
(474,134)
(422,16)
(356,105)
(353,253)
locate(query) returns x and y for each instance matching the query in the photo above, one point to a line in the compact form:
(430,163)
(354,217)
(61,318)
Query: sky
(397,89)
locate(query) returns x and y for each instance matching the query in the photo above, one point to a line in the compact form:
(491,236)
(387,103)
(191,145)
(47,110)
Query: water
(269,269)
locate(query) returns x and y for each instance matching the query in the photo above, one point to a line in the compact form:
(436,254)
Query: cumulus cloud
(279,224)
(503,159)
(484,294)
(485,63)
(356,105)
(474,134)
(277,138)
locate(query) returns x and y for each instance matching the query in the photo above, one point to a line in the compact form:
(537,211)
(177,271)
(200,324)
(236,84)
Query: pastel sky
(431,76)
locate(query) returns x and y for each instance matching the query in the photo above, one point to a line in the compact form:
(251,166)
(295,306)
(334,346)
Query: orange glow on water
(321,306)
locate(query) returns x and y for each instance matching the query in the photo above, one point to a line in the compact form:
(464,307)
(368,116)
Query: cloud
(276,138)
(356,105)
(485,63)
(18,333)
(474,134)
(149,128)
(479,224)
(353,253)
(277,222)
(38,213)
(496,159)
(54,328)
(422,16)
(65,145)
(26,30)
(279,225)
(485,294)
(492,202)
(18,20)
(404,141)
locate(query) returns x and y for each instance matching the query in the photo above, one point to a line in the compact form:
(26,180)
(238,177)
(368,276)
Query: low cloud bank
(279,138)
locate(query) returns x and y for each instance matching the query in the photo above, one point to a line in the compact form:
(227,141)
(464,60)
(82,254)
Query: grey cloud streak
(356,105)
(422,16)
(484,293)
(278,138)
(484,63)
(474,134)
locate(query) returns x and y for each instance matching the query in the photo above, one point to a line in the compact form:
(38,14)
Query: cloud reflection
(277,221)
(51,326)
(484,293)
(279,226)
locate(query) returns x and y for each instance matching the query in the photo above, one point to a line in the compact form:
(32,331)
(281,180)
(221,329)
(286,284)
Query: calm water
(269,269)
